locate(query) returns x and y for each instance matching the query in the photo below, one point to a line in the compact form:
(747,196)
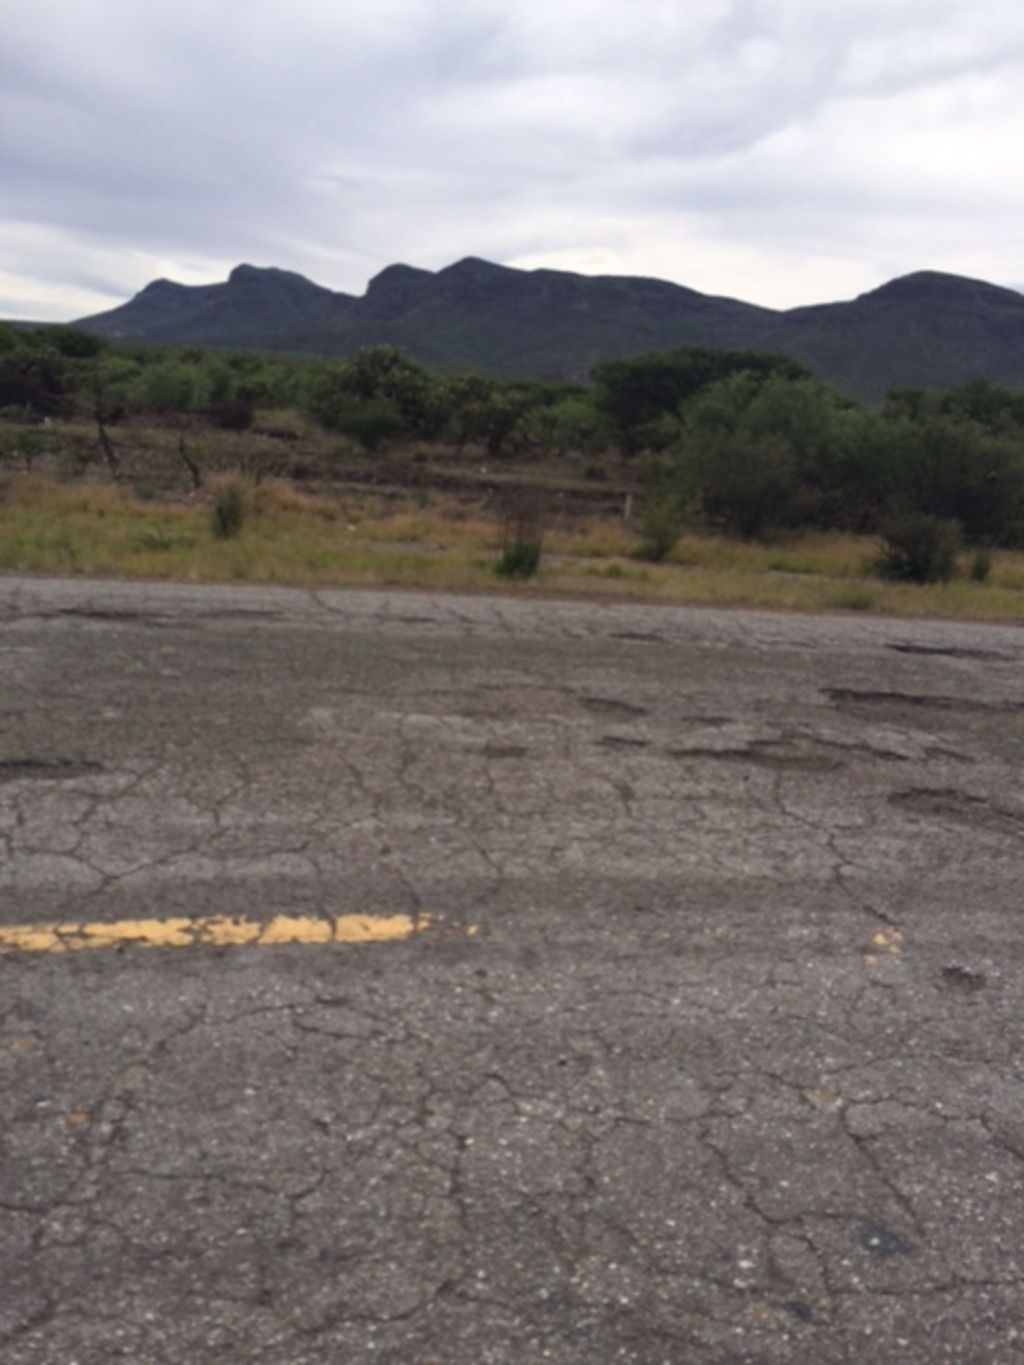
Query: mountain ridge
(927,328)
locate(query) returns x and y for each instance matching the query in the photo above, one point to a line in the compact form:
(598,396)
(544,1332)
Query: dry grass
(828,555)
(91,527)
(443,524)
(594,539)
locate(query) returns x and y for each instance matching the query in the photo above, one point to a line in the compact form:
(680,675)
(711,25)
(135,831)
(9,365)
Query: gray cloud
(781,152)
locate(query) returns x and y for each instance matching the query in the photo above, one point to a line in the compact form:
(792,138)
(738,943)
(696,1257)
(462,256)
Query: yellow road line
(215,931)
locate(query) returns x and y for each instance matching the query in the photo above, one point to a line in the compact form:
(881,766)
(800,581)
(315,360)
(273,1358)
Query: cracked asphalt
(730,1070)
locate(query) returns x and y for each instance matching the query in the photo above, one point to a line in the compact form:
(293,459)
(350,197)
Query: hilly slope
(925,329)
(253,307)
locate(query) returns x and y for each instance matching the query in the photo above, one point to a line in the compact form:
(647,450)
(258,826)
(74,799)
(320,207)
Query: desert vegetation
(695,475)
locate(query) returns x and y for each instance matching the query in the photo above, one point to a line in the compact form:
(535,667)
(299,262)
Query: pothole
(946,651)
(947,803)
(46,770)
(145,620)
(780,755)
(490,702)
(875,704)
(959,978)
(105,614)
(229,614)
(623,742)
(612,706)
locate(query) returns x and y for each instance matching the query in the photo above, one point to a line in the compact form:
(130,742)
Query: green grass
(290,537)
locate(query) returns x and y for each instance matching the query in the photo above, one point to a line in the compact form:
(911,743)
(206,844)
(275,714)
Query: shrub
(747,485)
(372,422)
(168,386)
(230,506)
(522,535)
(74,343)
(981,564)
(521,559)
(665,508)
(919,549)
(24,445)
(234,414)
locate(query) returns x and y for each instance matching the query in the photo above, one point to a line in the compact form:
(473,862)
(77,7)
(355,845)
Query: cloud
(781,152)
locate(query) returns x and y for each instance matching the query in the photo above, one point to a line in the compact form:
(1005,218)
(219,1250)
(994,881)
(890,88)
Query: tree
(665,506)
(371,421)
(955,471)
(746,484)
(865,471)
(568,423)
(111,383)
(996,410)
(487,412)
(910,404)
(35,377)
(383,376)
(73,343)
(919,549)
(371,371)
(168,387)
(639,393)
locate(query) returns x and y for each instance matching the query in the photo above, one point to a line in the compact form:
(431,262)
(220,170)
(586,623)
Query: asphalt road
(707,1046)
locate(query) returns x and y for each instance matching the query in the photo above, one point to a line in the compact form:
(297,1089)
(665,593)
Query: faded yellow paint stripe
(215,931)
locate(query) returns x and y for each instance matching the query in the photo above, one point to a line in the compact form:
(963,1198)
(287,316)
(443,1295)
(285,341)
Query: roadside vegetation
(697,475)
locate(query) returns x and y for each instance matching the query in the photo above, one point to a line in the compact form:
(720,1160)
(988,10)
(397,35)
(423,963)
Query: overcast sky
(779,151)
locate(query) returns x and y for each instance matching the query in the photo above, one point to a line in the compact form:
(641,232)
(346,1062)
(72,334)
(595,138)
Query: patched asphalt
(705,1044)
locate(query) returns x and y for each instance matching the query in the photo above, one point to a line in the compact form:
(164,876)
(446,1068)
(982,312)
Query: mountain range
(927,329)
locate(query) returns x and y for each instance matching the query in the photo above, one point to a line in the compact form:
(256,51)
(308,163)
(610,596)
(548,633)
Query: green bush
(919,549)
(522,534)
(981,564)
(369,421)
(521,559)
(747,485)
(74,343)
(665,508)
(230,507)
